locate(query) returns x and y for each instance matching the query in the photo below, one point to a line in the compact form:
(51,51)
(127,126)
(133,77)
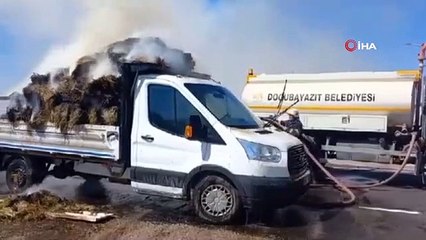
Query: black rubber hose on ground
(352,197)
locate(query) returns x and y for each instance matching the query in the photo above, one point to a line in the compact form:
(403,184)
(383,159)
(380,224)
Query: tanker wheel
(19,175)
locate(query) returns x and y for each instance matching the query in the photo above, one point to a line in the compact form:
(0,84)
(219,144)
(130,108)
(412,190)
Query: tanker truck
(182,136)
(352,115)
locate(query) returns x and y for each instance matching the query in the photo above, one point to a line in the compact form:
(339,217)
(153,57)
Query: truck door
(164,156)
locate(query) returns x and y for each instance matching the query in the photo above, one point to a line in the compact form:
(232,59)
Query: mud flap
(420,165)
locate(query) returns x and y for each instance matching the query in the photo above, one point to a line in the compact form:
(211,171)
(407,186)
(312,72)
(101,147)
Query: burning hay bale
(101,100)
(65,110)
(39,95)
(67,99)
(79,102)
(18,109)
(67,115)
(119,50)
(82,70)
(103,93)
(36,206)
(32,106)
(40,79)
(106,90)
(69,90)
(95,116)
(110,116)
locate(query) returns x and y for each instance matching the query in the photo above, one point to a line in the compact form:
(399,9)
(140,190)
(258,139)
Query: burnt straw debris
(90,93)
(38,205)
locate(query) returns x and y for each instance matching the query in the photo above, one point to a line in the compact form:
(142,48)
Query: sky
(301,35)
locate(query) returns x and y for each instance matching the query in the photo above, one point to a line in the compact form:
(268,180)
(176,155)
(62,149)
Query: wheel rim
(217,200)
(17,179)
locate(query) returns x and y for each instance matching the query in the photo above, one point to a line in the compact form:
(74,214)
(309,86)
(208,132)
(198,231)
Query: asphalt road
(316,216)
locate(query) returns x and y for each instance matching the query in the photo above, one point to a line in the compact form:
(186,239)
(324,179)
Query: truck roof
(160,71)
(183,79)
(157,69)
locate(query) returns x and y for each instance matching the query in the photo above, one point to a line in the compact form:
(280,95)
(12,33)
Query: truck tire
(19,175)
(40,172)
(216,200)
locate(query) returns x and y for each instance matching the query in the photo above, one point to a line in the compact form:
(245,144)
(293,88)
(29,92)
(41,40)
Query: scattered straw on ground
(35,206)
(141,230)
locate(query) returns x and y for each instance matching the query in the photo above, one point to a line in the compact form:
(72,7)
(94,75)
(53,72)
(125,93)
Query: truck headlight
(260,152)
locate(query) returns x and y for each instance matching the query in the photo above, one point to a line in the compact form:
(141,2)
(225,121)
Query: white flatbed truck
(180,136)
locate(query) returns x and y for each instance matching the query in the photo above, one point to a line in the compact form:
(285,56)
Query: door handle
(147,138)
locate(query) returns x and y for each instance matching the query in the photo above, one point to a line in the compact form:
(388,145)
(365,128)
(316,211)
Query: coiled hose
(352,197)
(344,188)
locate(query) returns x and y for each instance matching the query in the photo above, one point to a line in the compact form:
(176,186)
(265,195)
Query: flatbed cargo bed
(85,141)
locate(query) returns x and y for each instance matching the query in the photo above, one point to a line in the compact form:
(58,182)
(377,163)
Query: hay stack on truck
(180,136)
(348,113)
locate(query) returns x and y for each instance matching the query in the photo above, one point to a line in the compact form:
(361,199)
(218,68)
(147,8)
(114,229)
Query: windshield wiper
(280,103)
(244,126)
(279,113)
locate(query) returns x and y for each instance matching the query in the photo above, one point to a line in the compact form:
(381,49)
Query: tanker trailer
(353,115)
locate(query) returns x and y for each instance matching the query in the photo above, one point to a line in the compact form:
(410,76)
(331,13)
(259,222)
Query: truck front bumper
(267,192)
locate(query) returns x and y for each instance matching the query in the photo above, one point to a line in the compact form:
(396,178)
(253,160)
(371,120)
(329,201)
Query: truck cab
(182,136)
(192,138)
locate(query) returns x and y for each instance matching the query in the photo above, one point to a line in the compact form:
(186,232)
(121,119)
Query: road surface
(397,211)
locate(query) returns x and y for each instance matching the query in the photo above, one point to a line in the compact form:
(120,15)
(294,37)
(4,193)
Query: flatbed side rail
(85,141)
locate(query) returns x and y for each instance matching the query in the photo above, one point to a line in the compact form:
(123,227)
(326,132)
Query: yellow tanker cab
(250,74)
(415,73)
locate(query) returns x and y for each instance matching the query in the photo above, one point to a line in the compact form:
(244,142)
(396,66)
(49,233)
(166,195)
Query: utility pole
(421,56)
(421,157)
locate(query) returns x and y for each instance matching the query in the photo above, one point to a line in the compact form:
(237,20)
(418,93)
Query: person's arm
(294,131)
(283,123)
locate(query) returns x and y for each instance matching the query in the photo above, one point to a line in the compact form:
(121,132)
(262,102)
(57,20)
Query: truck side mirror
(193,128)
(189,132)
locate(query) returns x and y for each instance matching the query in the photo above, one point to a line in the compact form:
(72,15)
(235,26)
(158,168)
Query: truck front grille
(297,161)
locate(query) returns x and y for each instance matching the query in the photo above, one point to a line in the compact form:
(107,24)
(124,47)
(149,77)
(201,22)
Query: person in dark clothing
(294,127)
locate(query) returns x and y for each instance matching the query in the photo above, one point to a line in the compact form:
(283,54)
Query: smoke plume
(17,103)
(225,40)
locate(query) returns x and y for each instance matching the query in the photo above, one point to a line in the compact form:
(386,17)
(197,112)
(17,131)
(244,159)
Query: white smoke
(147,47)
(104,67)
(103,23)
(17,101)
(225,42)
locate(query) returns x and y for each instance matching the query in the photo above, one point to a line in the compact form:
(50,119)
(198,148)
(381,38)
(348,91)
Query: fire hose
(344,188)
(352,197)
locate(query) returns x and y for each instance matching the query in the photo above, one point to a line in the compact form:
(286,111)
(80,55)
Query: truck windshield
(224,105)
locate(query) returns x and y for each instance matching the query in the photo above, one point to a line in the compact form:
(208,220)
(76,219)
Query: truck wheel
(216,200)
(19,175)
(40,172)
